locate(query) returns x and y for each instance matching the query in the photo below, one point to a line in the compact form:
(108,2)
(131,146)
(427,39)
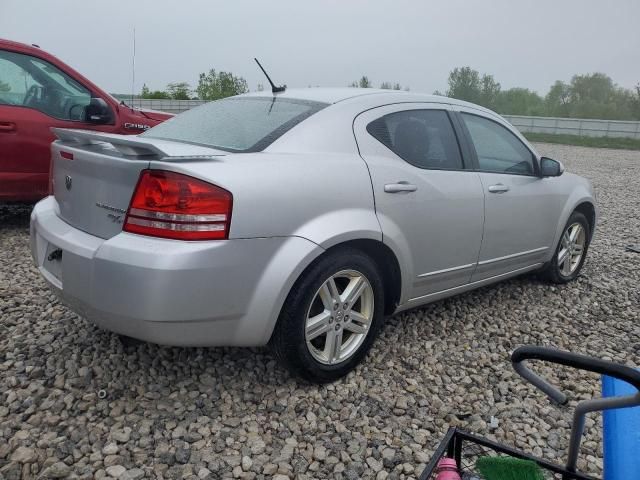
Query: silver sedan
(301,219)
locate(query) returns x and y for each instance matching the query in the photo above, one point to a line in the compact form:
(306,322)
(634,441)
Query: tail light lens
(172,205)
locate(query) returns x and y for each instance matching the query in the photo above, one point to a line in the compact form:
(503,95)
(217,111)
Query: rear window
(237,124)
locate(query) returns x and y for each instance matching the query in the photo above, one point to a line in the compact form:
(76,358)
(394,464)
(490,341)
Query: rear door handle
(499,188)
(399,187)
(7,126)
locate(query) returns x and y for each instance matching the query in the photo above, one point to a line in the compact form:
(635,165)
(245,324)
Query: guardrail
(169,106)
(583,127)
(559,126)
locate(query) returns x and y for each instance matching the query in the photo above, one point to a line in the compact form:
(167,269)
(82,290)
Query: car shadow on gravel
(148,365)
(14,215)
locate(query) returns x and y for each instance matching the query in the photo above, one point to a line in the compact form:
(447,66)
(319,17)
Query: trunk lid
(94,174)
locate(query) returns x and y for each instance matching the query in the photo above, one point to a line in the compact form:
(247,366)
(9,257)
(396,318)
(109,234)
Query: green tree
(489,91)
(520,101)
(4,87)
(464,84)
(467,84)
(636,102)
(179,90)
(156,94)
(592,95)
(558,99)
(215,85)
(596,96)
(390,86)
(364,82)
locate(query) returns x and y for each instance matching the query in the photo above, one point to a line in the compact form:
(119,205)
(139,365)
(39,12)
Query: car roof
(10,44)
(382,96)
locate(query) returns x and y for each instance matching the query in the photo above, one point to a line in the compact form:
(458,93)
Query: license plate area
(53,263)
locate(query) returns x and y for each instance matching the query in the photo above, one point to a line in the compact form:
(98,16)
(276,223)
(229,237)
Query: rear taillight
(172,205)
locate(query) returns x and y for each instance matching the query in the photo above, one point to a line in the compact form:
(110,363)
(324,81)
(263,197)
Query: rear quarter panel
(326,198)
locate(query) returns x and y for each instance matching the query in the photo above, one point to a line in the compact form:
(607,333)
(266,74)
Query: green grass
(597,142)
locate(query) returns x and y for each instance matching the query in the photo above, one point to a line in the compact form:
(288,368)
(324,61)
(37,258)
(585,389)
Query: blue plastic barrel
(621,436)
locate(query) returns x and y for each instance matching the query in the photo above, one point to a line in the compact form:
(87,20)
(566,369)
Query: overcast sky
(333,42)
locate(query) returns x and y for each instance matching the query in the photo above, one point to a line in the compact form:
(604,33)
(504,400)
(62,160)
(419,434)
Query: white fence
(575,126)
(567,126)
(170,106)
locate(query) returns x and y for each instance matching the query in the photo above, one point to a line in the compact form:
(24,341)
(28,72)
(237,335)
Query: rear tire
(571,251)
(331,317)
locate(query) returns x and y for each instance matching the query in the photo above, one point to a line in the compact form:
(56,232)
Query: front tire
(571,251)
(331,317)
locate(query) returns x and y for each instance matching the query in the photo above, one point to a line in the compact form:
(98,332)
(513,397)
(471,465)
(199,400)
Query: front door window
(27,81)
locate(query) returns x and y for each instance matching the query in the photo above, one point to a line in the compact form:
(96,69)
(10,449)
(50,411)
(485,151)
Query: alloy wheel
(339,317)
(572,245)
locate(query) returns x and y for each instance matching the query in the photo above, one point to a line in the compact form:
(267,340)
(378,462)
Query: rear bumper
(170,292)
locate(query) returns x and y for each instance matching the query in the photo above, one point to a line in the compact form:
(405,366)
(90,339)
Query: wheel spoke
(353,291)
(563,256)
(359,318)
(356,327)
(574,232)
(566,265)
(577,249)
(333,345)
(329,294)
(565,239)
(318,325)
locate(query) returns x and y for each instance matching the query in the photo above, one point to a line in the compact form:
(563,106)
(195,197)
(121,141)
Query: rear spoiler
(131,146)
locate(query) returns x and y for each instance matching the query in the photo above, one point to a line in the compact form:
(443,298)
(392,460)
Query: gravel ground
(212,413)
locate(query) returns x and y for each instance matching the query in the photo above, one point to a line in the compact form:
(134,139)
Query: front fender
(582,194)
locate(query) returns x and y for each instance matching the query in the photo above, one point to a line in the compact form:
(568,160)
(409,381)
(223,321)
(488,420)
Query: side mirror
(550,167)
(98,112)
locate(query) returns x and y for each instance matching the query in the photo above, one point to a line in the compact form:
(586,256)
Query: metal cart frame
(454,440)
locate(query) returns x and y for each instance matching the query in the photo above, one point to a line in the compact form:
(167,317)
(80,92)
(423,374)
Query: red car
(37,92)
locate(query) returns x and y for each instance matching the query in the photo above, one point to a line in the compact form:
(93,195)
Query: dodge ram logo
(67,182)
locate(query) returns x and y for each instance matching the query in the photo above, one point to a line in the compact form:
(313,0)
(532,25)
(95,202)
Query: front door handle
(499,188)
(400,187)
(7,126)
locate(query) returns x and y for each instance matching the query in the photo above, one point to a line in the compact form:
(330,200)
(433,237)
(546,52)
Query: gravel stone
(57,470)
(76,401)
(133,474)
(24,455)
(121,436)
(116,471)
(110,449)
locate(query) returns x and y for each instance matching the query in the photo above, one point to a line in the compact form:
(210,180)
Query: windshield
(236,124)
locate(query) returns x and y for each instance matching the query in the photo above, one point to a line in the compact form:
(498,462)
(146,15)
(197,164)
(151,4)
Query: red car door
(35,95)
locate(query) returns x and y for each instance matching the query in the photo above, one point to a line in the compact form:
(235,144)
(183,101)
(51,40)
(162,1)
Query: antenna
(133,67)
(274,89)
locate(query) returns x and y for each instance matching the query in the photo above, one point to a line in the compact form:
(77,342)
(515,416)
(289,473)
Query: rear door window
(423,138)
(236,124)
